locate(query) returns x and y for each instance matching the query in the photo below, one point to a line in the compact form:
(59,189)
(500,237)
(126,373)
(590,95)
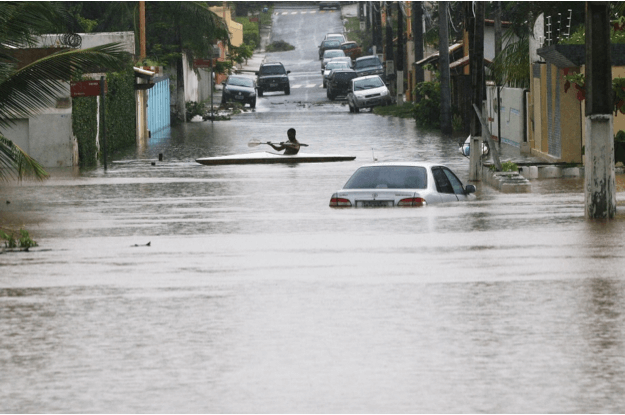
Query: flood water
(253,296)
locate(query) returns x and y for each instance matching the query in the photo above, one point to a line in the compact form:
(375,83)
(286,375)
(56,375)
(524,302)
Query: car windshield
(241,82)
(368,83)
(331,44)
(334,53)
(388,177)
(365,63)
(272,70)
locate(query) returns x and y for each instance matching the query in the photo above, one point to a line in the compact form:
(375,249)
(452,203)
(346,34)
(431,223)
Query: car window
(456,184)
(335,65)
(241,82)
(333,53)
(272,70)
(368,83)
(365,63)
(388,177)
(442,182)
(344,76)
(331,44)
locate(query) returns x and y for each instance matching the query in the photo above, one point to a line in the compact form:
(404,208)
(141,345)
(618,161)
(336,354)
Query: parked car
(339,82)
(335,36)
(272,77)
(239,88)
(401,184)
(329,5)
(367,92)
(369,65)
(351,49)
(331,54)
(327,45)
(330,66)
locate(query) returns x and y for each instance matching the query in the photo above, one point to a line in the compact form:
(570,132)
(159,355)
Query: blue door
(158,108)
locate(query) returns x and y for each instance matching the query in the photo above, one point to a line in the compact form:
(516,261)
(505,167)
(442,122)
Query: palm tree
(27,90)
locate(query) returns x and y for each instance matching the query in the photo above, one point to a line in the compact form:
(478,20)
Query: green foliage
(240,54)
(506,166)
(251,36)
(195,108)
(24,240)
(120,118)
(427,111)
(405,110)
(84,125)
(512,66)
(279,46)
(620,136)
(617,33)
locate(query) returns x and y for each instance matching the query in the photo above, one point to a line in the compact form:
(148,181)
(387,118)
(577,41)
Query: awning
(435,56)
(464,61)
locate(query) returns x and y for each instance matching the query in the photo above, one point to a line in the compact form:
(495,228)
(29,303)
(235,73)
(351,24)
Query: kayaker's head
(291,134)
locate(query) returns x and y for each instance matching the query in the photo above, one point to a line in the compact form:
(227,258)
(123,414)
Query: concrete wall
(512,114)
(89,40)
(47,138)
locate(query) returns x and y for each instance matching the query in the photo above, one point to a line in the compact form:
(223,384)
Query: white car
(401,184)
(367,92)
(336,36)
(331,65)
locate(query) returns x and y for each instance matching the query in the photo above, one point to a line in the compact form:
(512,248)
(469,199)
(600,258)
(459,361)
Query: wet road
(255,296)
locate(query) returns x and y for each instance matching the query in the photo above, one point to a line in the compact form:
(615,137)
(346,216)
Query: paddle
(256,143)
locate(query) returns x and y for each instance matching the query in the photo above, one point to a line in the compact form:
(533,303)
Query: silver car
(367,92)
(401,184)
(331,54)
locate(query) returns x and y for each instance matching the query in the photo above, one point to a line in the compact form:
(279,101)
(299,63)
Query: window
(455,182)
(442,182)
(388,177)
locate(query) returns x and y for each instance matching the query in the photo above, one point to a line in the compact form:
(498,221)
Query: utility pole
(390,62)
(417,33)
(400,54)
(474,15)
(498,45)
(142,48)
(599,181)
(443,56)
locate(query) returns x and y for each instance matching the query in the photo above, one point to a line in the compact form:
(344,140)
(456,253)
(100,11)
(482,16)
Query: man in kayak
(290,147)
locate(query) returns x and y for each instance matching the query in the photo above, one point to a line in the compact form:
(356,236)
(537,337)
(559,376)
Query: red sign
(203,63)
(86,88)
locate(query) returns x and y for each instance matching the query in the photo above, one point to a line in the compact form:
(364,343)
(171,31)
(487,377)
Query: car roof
(425,164)
(348,42)
(343,70)
(271,63)
(362,58)
(367,77)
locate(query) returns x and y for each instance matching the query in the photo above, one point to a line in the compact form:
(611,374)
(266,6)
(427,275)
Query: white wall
(512,114)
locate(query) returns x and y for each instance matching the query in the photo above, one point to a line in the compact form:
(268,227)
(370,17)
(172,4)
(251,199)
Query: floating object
(270,158)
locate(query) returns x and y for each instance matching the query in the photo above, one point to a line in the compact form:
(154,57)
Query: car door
(455,183)
(443,185)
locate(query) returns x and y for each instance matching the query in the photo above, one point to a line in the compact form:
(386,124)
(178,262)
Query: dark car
(272,77)
(339,82)
(327,45)
(329,5)
(369,65)
(239,88)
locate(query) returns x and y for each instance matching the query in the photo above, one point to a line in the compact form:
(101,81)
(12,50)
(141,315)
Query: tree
(25,91)
(443,49)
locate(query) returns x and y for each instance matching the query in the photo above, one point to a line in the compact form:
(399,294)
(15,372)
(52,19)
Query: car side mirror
(470,189)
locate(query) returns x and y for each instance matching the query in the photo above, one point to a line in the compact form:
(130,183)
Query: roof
(435,56)
(464,61)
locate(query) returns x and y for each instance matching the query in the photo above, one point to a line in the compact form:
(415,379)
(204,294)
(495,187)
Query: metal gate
(159,108)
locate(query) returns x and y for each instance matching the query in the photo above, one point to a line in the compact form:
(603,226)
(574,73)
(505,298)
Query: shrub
(279,46)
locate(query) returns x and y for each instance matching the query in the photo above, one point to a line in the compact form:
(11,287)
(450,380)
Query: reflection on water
(255,296)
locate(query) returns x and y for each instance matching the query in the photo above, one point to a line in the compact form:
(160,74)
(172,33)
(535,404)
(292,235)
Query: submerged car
(273,77)
(330,66)
(401,184)
(367,92)
(239,88)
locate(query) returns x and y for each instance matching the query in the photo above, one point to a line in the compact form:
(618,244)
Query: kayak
(267,157)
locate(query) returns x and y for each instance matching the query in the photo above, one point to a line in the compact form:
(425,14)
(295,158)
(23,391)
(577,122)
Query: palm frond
(37,85)
(15,163)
